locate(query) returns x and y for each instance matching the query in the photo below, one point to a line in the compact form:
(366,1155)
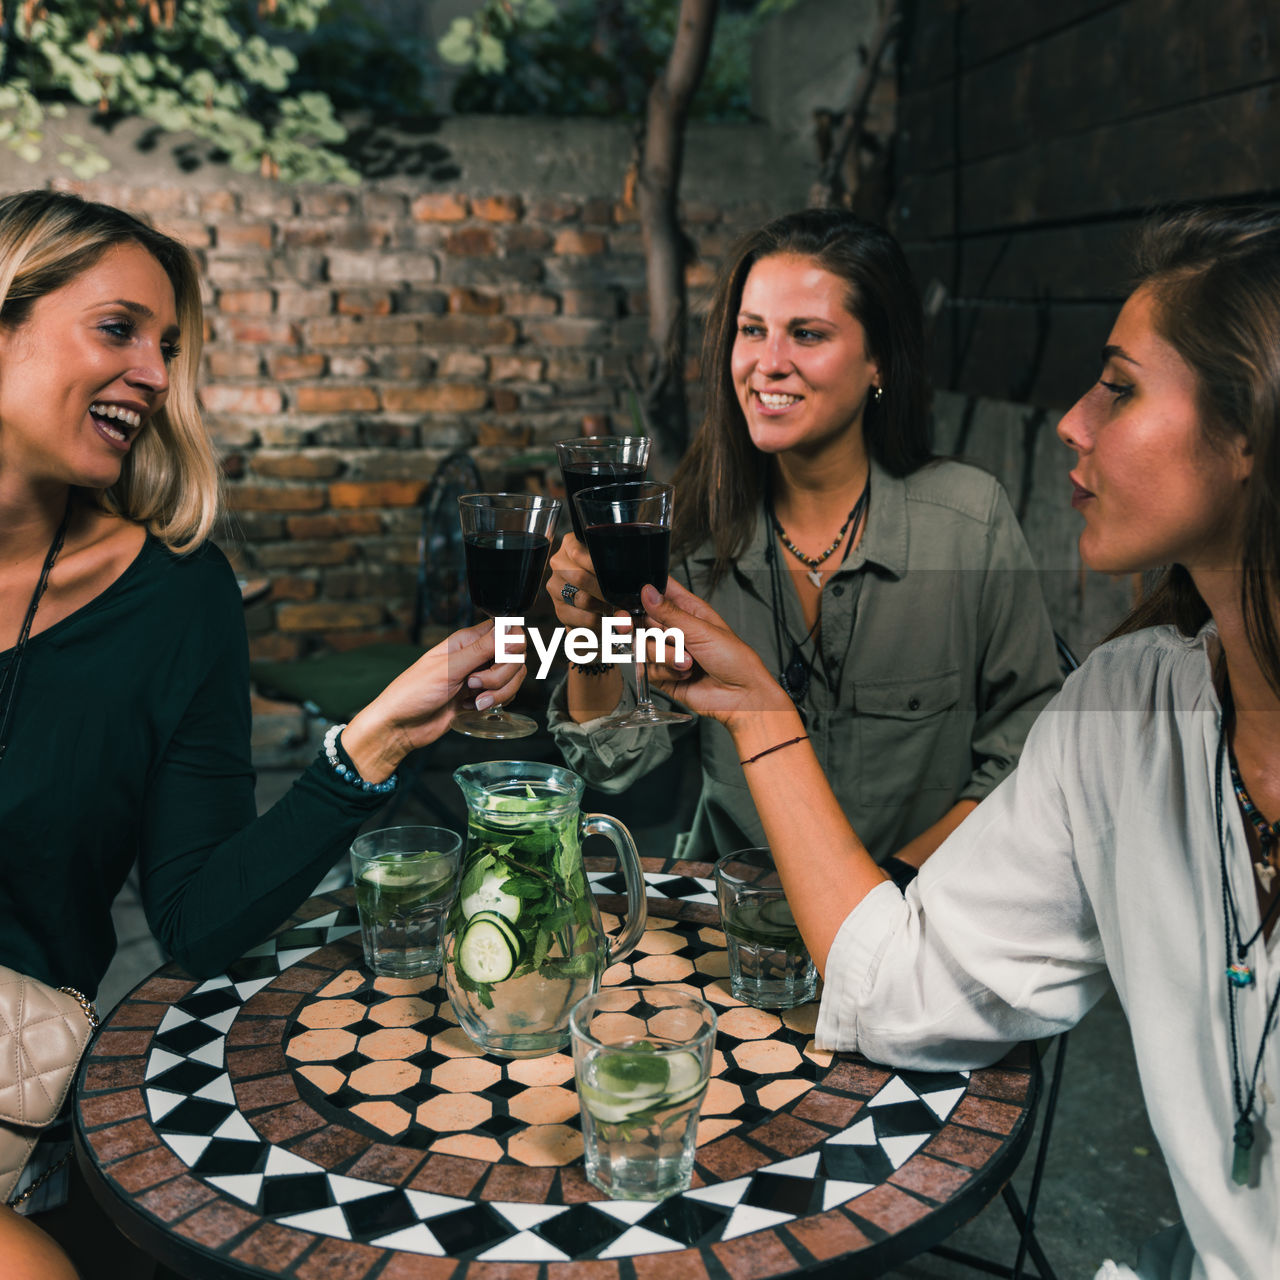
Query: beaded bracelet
(591,668)
(347,771)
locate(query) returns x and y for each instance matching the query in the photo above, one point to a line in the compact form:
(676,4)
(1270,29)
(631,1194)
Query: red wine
(586,475)
(626,556)
(504,571)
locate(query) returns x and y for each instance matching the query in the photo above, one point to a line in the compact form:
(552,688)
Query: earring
(877,394)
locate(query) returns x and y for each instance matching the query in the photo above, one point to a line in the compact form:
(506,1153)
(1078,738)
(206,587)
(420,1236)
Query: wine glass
(506,539)
(627,530)
(589,461)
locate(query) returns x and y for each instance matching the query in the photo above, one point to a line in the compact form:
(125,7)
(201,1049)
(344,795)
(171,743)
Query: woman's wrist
(757,731)
(375,750)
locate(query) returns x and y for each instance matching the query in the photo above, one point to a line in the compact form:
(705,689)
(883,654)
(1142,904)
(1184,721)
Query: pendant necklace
(9,681)
(813,562)
(794,676)
(1239,975)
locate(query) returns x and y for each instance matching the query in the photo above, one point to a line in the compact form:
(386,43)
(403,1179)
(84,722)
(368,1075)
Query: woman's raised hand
(571,567)
(417,706)
(723,676)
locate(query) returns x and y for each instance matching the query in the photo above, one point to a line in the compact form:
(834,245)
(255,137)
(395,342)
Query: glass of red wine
(588,461)
(506,539)
(627,531)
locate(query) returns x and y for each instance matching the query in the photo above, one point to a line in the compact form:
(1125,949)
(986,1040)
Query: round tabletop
(298,1117)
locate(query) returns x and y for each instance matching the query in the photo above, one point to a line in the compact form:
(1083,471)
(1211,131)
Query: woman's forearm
(826,870)
(915,852)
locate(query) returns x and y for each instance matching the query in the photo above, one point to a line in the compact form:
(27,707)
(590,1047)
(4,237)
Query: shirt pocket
(910,737)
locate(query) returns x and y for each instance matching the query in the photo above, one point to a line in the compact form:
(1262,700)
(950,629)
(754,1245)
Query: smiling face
(799,363)
(81,377)
(1152,487)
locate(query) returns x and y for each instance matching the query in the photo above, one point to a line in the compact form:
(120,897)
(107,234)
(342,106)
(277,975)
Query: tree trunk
(662,395)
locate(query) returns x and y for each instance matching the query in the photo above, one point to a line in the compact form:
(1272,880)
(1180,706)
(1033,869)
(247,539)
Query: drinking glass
(589,461)
(506,539)
(406,879)
(769,966)
(627,529)
(641,1060)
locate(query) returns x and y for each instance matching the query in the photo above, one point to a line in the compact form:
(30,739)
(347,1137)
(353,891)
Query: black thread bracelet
(768,751)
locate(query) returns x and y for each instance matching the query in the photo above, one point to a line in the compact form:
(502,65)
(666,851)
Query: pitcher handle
(600,824)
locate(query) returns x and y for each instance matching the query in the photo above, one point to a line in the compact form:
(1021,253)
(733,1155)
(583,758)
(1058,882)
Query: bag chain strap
(91,1013)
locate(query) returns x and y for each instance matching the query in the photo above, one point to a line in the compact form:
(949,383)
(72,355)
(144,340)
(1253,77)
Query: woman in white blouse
(1133,840)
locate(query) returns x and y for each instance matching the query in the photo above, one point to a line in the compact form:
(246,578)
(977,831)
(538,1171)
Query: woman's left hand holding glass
(417,706)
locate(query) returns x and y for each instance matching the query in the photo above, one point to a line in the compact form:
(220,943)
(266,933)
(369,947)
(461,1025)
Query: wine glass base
(641,718)
(494,724)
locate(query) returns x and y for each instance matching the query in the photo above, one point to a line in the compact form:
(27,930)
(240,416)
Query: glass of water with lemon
(642,1060)
(406,879)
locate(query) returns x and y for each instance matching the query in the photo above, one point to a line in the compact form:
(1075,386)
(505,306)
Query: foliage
(594,57)
(213,68)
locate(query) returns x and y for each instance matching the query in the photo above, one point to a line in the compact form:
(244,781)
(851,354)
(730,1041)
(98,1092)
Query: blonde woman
(124,709)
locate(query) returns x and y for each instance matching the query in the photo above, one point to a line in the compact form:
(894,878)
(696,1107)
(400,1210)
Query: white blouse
(1097,857)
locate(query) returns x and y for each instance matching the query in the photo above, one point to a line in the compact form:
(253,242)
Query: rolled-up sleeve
(995,941)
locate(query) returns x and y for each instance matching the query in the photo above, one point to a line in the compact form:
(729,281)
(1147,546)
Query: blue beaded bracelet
(347,773)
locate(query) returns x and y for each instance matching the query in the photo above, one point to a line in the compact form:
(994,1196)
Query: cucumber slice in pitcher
(491,895)
(485,953)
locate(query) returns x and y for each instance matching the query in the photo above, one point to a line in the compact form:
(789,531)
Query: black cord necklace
(1239,975)
(9,681)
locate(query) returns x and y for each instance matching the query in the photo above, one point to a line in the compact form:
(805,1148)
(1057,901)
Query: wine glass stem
(643,701)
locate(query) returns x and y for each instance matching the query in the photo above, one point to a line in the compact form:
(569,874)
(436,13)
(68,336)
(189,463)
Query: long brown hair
(1214,275)
(721,479)
(169,480)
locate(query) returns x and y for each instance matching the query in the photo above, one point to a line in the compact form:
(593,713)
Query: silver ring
(568,593)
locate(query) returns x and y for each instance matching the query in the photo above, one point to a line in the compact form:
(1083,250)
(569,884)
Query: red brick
(350,366)
(250,235)
(441,206)
(234,363)
(257,332)
(297,466)
(384,204)
(579,243)
(517,369)
(469,302)
(231,399)
(464,365)
(261,497)
(589,302)
(326,203)
(364,302)
(440,397)
(274,648)
(288,367)
(505,400)
(598,213)
(497,208)
(355,330)
(293,587)
(321,616)
(222,201)
(531,304)
(492,435)
(526,240)
(552,210)
(254,302)
(329,399)
(195,235)
(471,242)
(469,331)
(305,555)
(568,331)
(383,493)
(300,303)
(360,523)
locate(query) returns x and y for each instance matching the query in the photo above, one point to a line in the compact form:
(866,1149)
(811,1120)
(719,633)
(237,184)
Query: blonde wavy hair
(170,478)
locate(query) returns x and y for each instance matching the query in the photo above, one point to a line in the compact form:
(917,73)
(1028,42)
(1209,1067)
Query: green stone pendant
(1241,1157)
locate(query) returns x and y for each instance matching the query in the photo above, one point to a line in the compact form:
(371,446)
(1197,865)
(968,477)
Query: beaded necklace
(1268,832)
(814,561)
(1239,975)
(9,681)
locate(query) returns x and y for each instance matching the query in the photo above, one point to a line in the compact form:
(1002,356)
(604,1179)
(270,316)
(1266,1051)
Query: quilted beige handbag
(43,1032)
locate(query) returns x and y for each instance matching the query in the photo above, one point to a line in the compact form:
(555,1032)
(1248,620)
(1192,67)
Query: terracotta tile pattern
(753,1117)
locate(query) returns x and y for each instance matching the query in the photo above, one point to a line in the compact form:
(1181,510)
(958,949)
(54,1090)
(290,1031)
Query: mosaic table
(297,1117)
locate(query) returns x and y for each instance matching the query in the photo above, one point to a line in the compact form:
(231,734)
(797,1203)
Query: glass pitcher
(525,942)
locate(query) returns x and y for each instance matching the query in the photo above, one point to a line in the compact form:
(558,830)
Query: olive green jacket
(936,655)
